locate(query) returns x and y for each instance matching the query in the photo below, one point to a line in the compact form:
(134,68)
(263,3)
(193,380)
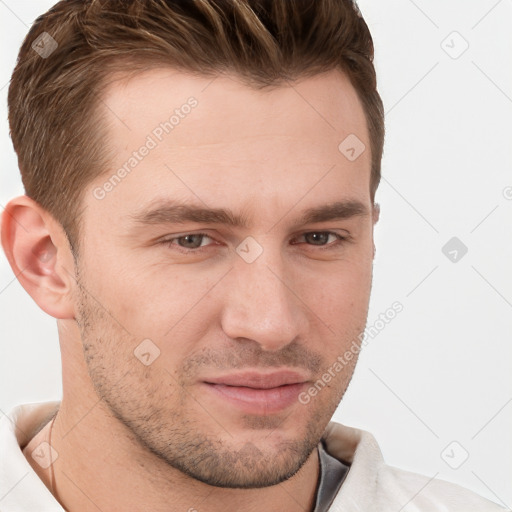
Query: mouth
(257,393)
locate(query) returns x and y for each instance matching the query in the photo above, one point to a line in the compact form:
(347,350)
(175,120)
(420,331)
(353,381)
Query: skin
(137,437)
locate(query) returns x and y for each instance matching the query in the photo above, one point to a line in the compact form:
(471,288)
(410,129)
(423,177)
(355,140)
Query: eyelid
(341,240)
(340,233)
(172,238)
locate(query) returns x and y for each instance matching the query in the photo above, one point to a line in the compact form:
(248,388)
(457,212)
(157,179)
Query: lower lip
(258,401)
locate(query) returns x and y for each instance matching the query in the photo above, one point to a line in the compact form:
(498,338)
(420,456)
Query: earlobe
(375,216)
(376,212)
(37,250)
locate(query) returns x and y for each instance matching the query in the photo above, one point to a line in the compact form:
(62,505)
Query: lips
(256,392)
(260,380)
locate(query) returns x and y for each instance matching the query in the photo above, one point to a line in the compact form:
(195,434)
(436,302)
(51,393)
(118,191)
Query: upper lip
(259,380)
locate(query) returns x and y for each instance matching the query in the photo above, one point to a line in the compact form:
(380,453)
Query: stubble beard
(175,435)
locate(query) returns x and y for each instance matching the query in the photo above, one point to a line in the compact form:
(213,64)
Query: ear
(38,251)
(375,212)
(375,217)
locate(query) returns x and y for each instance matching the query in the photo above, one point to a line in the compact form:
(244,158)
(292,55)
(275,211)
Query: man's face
(223,315)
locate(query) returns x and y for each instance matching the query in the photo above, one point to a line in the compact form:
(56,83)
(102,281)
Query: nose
(260,304)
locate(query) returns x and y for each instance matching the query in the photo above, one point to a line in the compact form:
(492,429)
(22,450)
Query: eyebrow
(175,212)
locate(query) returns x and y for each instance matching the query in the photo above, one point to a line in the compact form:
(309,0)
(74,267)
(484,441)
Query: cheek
(340,299)
(341,290)
(167,304)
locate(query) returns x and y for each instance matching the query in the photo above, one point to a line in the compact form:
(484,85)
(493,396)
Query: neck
(100,465)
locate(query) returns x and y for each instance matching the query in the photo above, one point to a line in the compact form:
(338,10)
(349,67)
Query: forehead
(219,140)
(134,102)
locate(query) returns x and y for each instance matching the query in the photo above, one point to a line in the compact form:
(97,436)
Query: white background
(441,370)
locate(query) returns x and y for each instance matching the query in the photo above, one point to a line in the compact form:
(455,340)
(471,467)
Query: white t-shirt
(369,486)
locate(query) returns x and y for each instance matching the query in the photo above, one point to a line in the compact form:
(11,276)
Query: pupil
(318,238)
(191,241)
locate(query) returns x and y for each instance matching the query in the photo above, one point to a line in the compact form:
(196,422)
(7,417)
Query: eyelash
(341,240)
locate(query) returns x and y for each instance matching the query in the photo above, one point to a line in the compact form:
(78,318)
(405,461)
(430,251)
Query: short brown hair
(53,99)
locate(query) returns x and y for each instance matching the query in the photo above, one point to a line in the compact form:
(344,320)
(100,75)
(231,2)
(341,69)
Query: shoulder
(371,484)
(21,489)
(429,493)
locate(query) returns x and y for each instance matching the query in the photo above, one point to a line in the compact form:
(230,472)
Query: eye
(323,238)
(196,242)
(188,242)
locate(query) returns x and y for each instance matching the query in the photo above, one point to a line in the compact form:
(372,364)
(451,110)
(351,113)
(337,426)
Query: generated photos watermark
(153,139)
(370,332)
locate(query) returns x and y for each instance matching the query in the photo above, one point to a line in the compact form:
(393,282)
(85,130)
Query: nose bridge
(259,305)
